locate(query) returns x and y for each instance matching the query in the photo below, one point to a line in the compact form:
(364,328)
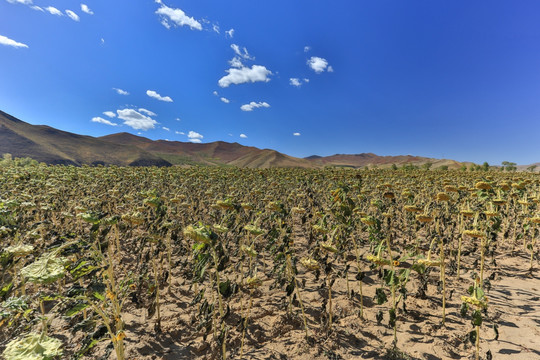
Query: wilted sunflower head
(309,264)
(254,230)
(199,233)
(412,208)
(482,185)
(247,206)
(499,201)
(220,228)
(254,282)
(249,251)
(443,196)
(424,218)
(389,195)
(369,220)
(329,246)
(475,233)
(467,213)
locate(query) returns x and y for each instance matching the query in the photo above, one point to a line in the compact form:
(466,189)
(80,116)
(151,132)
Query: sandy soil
(274,332)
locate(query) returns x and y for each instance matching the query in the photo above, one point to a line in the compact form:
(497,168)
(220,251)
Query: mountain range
(46,144)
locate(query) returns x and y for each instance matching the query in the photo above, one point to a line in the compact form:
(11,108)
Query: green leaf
(85,267)
(6,289)
(392,319)
(463,310)
(389,277)
(225,288)
(290,288)
(79,306)
(476,318)
(472,336)
(380,296)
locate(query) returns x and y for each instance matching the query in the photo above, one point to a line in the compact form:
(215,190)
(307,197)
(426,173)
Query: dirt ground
(274,332)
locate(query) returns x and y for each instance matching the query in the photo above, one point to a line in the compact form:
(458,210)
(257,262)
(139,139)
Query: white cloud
(178,119)
(253,105)
(244,54)
(165,128)
(245,75)
(194,137)
(103,121)
(296,134)
(165,23)
(9,42)
(110,114)
(225,100)
(24,2)
(319,64)
(177,16)
(306,80)
(155,95)
(307,48)
(54,11)
(236,62)
(120,91)
(215,93)
(102,41)
(147,112)
(180,133)
(295,82)
(37,8)
(243,136)
(230,33)
(72,15)
(215,28)
(86,9)
(136,120)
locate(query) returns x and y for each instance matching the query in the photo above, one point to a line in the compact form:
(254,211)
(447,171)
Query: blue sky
(454,79)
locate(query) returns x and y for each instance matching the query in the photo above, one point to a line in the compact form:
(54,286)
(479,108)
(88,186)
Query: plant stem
(245,323)
(443,279)
(393,286)
(43,318)
(359,281)
(482,246)
(459,255)
(477,342)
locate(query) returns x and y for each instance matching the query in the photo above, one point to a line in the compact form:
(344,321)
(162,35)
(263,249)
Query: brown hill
(52,146)
(370,159)
(214,153)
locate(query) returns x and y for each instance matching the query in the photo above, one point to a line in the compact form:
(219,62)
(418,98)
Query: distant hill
(535,167)
(214,153)
(52,146)
(370,159)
